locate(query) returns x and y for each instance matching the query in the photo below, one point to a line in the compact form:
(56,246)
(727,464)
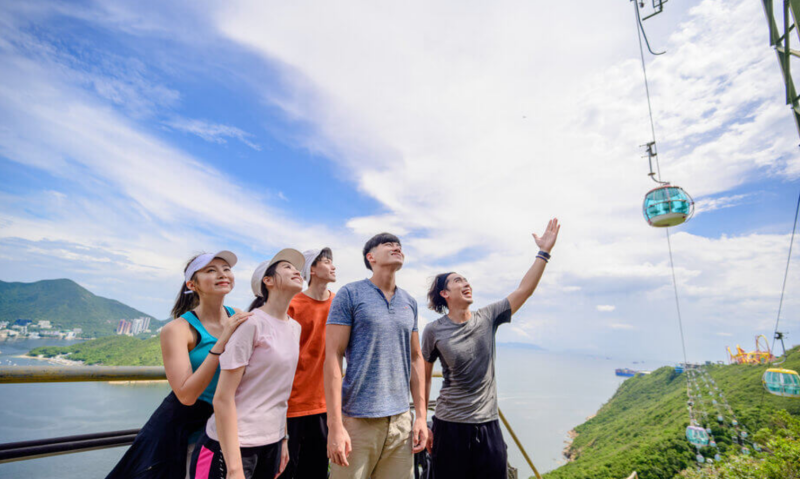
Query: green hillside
(65,304)
(110,351)
(642,426)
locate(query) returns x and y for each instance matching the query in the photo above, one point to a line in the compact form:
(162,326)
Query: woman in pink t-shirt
(246,436)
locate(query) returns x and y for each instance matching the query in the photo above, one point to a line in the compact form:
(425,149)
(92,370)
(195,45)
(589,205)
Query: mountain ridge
(66,304)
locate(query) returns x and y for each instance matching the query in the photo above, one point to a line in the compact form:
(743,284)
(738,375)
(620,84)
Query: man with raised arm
(466,441)
(306,419)
(373,324)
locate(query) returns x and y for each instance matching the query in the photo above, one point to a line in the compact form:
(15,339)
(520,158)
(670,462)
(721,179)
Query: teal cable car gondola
(782,382)
(697,435)
(667,206)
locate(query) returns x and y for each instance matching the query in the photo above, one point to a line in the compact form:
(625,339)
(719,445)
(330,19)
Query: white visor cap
(310,256)
(202,261)
(291,255)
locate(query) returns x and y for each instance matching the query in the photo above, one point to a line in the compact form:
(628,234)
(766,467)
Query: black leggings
(261,462)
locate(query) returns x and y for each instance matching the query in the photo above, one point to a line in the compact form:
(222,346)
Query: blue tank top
(197,355)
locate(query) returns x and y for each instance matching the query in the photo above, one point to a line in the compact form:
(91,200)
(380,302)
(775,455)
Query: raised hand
(229,325)
(548,239)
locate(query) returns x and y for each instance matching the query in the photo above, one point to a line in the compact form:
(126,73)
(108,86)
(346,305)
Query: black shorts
(308,447)
(468,451)
(261,462)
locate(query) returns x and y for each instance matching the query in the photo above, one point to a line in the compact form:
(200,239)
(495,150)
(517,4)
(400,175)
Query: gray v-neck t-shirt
(467,352)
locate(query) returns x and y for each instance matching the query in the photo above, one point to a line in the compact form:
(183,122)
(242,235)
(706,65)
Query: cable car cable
(786,276)
(639,34)
(677,303)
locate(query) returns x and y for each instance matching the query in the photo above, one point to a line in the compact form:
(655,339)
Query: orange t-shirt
(308,392)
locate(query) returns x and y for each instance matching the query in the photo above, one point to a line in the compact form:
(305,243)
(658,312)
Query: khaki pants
(381,448)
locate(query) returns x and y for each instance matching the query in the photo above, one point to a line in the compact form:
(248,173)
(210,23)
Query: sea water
(542,394)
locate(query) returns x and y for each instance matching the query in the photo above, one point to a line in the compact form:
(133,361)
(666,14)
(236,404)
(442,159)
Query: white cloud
(473,139)
(605,308)
(212,132)
(469,140)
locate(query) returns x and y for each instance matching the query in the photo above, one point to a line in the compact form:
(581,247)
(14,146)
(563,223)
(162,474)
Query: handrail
(50,374)
(24,450)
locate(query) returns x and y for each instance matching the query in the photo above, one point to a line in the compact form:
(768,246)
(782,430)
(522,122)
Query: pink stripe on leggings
(203,468)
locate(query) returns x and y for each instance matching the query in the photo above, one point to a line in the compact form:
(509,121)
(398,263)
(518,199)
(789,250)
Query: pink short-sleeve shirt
(268,348)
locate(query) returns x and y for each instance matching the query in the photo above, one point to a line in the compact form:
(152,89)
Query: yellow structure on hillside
(759,356)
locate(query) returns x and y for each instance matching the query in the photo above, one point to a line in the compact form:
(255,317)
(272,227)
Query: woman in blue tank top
(190,346)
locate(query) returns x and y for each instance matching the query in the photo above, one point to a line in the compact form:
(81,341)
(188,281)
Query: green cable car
(782,382)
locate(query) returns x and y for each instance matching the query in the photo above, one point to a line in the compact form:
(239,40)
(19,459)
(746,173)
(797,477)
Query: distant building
(44,324)
(124,327)
(3,324)
(77,331)
(22,322)
(140,325)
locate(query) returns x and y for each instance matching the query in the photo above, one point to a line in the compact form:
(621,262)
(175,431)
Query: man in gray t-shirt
(466,441)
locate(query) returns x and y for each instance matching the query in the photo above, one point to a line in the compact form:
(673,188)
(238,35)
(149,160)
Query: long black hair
(262,300)
(186,302)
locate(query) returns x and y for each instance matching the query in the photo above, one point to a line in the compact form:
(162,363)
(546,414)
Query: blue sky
(133,135)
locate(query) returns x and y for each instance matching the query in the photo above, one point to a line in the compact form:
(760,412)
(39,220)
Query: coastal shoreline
(568,453)
(56,361)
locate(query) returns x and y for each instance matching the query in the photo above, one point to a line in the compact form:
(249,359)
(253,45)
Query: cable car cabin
(697,435)
(720,419)
(667,206)
(717,457)
(700,458)
(782,382)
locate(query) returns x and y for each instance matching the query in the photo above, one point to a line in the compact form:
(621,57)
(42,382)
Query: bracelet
(539,256)
(544,253)
(212,352)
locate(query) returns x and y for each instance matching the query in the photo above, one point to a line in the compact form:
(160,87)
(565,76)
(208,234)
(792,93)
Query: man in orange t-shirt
(307,421)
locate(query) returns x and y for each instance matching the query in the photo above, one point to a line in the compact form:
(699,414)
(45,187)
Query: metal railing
(20,451)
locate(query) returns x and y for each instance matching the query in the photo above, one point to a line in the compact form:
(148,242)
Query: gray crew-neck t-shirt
(378,355)
(467,351)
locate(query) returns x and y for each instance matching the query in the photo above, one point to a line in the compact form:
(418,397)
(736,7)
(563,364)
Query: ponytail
(262,300)
(186,301)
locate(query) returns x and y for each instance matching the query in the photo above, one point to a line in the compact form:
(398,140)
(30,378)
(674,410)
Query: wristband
(212,352)
(539,256)
(544,253)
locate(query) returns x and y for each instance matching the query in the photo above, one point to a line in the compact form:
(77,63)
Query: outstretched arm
(531,279)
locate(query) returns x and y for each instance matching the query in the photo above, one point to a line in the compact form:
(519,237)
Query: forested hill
(110,351)
(642,427)
(66,304)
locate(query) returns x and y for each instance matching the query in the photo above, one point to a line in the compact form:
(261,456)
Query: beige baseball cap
(291,255)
